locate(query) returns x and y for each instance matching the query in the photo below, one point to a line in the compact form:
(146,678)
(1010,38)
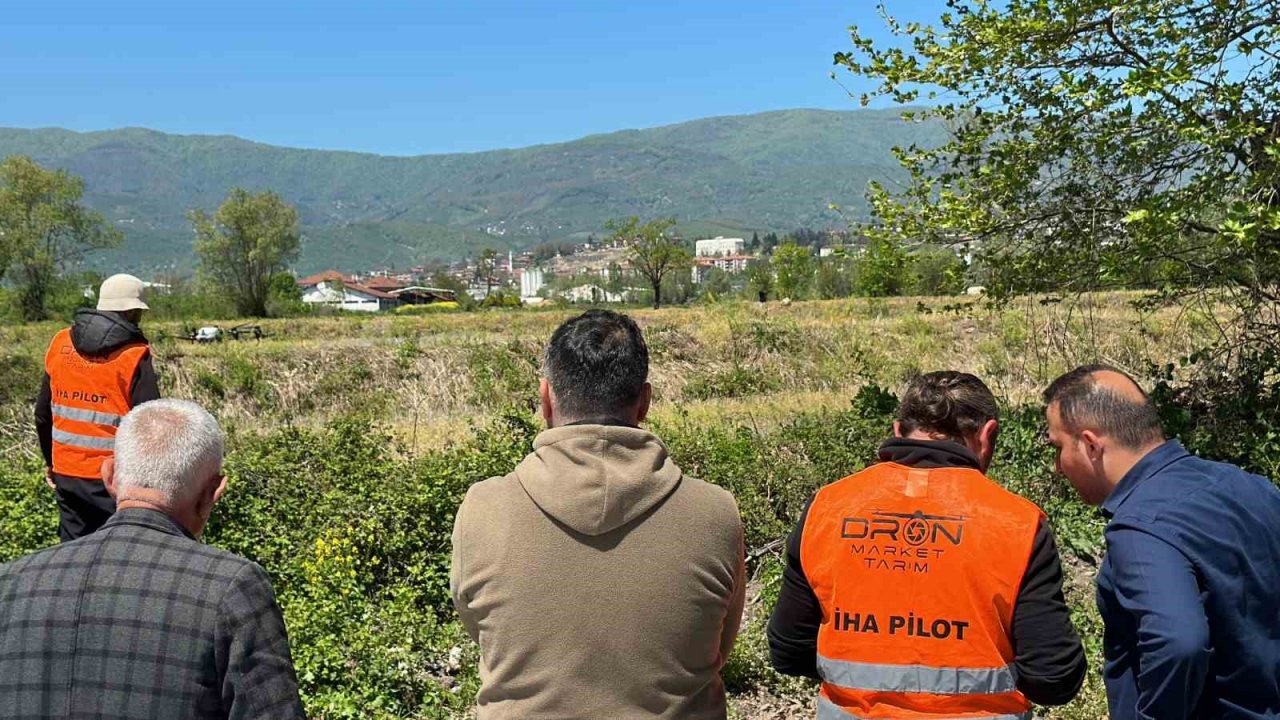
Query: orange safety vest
(917,571)
(89,396)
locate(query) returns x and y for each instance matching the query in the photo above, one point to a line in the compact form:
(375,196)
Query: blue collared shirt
(1190,591)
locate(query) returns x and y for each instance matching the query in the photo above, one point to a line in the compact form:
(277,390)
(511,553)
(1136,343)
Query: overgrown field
(353,440)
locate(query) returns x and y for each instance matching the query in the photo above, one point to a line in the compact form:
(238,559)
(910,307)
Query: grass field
(725,361)
(758,398)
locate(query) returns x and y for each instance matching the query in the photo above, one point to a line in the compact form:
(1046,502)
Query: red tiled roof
(384,283)
(370,291)
(326,276)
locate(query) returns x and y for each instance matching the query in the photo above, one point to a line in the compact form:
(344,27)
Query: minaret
(511,261)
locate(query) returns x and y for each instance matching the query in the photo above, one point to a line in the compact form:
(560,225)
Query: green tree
(617,280)
(44,230)
(284,297)
(937,271)
(651,252)
(716,284)
(248,240)
(487,270)
(759,280)
(884,269)
(1090,138)
(678,288)
(835,277)
(793,269)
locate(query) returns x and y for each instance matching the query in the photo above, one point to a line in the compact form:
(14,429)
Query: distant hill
(771,171)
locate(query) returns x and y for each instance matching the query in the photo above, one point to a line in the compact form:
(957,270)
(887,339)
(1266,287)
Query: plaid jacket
(140,620)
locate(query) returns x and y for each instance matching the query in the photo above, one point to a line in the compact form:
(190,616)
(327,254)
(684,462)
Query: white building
(727,263)
(719,246)
(356,298)
(531,281)
(334,290)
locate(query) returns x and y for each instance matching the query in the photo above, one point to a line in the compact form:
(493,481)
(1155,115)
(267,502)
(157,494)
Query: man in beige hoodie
(599,580)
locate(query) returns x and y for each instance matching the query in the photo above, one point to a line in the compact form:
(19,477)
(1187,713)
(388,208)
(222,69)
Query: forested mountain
(771,171)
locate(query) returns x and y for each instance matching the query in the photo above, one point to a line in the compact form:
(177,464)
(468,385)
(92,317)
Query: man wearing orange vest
(94,373)
(918,587)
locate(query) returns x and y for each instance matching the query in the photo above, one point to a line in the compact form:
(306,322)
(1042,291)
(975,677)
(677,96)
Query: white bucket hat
(120,293)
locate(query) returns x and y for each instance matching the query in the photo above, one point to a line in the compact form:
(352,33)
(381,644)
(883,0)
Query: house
(333,289)
(326,276)
(417,295)
(728,263)
(386,284)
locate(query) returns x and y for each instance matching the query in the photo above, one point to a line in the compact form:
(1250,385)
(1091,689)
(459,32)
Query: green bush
(504,376)
(736,382)
(432,309)
(29,509)
(245,377)
(501,299)
(19,377)
(355,533)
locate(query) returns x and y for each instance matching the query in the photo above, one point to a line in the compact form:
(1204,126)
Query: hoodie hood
(96,333)
(597,478)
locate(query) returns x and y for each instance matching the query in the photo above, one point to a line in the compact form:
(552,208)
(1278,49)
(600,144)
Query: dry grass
(432,379)
(429,378)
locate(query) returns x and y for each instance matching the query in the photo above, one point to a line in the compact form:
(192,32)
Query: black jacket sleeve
(793,627)
(44,420)
(144,388)
(1047,651)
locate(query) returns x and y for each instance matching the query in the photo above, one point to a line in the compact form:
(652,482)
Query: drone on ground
(216,334)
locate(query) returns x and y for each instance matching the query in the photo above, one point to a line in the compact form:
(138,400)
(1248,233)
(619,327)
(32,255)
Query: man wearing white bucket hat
(94,372)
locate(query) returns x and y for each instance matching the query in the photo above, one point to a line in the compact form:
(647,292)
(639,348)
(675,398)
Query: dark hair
(1085,403)
(947,403)
(597,364)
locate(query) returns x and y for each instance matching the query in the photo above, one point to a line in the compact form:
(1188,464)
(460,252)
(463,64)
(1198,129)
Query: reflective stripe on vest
(828,710)
(917,678)
(83,441)
(89,416)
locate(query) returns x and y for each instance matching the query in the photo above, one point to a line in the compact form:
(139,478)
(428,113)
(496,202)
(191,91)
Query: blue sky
(407,78)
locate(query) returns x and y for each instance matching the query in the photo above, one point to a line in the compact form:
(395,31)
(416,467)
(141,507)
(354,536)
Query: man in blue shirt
(1190,586)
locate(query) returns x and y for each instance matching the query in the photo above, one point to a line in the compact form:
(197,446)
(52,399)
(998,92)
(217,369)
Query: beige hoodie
(599,581)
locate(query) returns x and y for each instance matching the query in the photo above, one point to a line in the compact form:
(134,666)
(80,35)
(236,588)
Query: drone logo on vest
(904,542)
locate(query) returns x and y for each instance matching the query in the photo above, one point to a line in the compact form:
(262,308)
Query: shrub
(210,383)
(29,509)
(736,382)
(432,309)
(355,534)
(19,377)
(503,376)
(501,299)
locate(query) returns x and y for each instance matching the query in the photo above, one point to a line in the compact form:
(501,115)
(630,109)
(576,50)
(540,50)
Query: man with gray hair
(140,619)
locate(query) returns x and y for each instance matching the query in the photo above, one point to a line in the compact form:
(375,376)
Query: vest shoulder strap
(61,339)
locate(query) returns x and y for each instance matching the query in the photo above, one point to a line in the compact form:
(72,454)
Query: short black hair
(1084,403)
(597,364)
(948,403)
